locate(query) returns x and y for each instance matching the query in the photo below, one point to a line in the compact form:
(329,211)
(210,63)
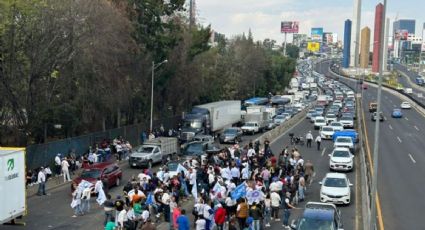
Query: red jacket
(220,215)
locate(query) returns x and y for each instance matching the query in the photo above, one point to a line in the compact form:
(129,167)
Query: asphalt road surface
(401,157)
(412,83)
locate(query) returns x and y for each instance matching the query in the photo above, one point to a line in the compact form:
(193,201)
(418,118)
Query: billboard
(289,27)
(328,38)
(313,46)
(317,34)
(401,35)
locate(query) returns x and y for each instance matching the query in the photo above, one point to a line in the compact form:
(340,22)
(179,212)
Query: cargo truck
(154,151)
(255,122)
(12,184)
(210,118)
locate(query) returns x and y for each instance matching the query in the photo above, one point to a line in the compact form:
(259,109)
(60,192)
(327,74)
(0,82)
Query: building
(377,46)
(404,24)
(355,32)
(365,47)
(347,44)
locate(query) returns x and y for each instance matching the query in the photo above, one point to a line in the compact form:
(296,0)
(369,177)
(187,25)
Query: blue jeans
(286,214)
(42,189)
(85,205)
(300,193)
(78,210)
(256,224)
(267,214)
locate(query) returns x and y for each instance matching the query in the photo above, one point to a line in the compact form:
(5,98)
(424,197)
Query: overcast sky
(232,17)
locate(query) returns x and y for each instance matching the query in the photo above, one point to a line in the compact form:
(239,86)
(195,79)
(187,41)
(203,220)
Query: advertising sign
(289,27)
(313,46)
(328,38)
(317,34)
(401,35)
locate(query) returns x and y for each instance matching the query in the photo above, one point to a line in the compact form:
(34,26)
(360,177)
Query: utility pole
(377,124)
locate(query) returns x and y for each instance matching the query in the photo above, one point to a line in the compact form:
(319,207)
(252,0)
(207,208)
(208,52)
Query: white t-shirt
(229,202)
(200,224)
(57,160)
(122,217)
(41,177)
(65,165)
(192,178)
(251,152)
(275,199)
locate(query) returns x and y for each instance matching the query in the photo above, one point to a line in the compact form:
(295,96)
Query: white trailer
(255,109)
(223,114)
(12,184)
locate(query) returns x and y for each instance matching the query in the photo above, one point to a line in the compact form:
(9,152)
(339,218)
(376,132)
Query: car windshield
(250,124)
(335,182)
(195,148)
(330,116)
(341,154)
(91,173)
(172,166)
(397,110)
(310,223)
(145,149)
(280,117)
(336,124)
(320,121)
(327,129)
(230,131)
(344,140)
(346,119)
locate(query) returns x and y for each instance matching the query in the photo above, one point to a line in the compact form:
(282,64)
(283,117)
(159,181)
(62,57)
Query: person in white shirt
(200,223)
(251,152)
(226,173)
(58,165)
(192,179)
(41,179)
(122,218)
(275,203)
(245,172)
(236,175)
(65,170)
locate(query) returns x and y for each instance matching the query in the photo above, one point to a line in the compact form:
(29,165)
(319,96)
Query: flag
(195,191)
(149,200)
(239,191)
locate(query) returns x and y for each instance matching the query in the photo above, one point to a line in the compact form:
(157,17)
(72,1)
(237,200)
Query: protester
(318,142)
(41,180)
(183,221)
(309,138)
(65,170)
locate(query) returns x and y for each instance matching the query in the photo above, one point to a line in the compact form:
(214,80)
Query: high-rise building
(365,47)
(404,24)
(347,44)
(355,32)
(377,46)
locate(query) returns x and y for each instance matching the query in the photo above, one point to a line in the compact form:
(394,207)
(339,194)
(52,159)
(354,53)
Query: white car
(330,118)
(326,132)
(341,159)
(345,142)
(347,122)
(319,122)
(337,126)
(335,189)
(337,103)
(405,105)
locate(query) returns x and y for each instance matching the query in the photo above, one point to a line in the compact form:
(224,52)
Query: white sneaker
(277,219)
(267,225)
(271,218)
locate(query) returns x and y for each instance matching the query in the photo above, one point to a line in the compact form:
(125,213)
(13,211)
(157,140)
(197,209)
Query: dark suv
(231,135)
(319,216)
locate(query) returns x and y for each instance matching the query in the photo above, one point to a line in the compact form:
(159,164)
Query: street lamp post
(154,66)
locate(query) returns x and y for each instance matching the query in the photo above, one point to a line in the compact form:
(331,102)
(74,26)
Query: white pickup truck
(154,151)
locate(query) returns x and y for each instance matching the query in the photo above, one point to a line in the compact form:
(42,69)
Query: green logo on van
(10,164)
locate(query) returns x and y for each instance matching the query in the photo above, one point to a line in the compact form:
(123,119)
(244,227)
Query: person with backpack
(242,213)
(256,212)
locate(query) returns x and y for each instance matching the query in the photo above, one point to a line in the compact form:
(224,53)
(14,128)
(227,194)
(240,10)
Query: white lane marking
(406,118)
(411,158)
(399,140)
(390,127)
(416,127)
(323,151)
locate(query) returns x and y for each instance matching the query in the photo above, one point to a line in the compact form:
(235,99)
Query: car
(347,133)
(320,111)
(326,132)
(397,113)
(199,137)
(337,103)
(330,117)
(279,119)
(310,113)
(405,105)
(109,172)
(337,126)
(374,116)
(347,121)
(319,122)
(318,215)
(372,107)
(344,141)
(335,189)
(341,159)
(175,167)
(231,135)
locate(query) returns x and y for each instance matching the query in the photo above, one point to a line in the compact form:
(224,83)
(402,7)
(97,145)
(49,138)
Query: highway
(401,156)
(410,83)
